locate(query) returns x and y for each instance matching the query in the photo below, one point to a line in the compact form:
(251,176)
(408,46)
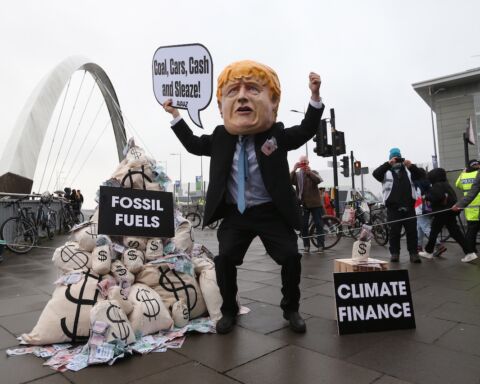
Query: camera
(399,159)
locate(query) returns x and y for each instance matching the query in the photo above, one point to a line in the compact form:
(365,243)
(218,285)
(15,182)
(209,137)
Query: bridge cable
(66,130)
(84,140)
(117,107)
(76,131)
(91,151)
(54,136)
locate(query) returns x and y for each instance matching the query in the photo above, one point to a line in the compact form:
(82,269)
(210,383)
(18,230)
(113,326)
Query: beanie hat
(394,152)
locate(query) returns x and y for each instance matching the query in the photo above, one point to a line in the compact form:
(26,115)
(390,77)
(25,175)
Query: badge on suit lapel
(269,146)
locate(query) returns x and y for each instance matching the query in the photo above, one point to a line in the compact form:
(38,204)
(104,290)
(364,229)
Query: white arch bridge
(20,158)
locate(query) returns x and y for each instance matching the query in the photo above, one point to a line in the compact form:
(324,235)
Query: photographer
(306,182)
(397,176)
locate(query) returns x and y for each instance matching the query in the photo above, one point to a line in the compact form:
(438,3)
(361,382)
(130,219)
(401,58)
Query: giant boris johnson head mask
(248,95)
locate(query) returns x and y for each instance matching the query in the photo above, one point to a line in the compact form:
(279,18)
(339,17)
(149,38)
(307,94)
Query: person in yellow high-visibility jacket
(465,183)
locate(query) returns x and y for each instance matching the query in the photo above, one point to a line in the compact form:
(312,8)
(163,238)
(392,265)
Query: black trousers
(396,229)
(448,220)
(235,234)
(471,236)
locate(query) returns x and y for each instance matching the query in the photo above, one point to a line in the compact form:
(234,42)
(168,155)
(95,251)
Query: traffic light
(321,146)
(357,167)
(345,166)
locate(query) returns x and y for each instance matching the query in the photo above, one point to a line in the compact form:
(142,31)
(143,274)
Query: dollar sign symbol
(102,255)
(170,286)
(152,306)
(133,244)
(135,153)
(93,229)
(362,248)
(132,255)
(79,259)
(154,245)
(113,314)
(79,302)
(185,314)
(120,270)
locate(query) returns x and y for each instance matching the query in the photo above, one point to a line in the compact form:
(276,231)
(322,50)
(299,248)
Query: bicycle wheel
(332,232)
(354,230)
(194,218)
(20,235)
(379,230)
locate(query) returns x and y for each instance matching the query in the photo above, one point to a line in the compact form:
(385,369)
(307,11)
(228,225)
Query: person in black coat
(442,198)
(250,184)
(397,176)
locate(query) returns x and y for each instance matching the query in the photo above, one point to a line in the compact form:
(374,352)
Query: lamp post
(306,144)
(435,165)
(180,157)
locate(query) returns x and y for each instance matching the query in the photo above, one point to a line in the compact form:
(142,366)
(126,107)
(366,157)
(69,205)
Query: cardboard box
(350,265)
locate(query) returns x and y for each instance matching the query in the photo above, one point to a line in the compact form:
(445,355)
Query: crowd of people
(75,197)
(424,203)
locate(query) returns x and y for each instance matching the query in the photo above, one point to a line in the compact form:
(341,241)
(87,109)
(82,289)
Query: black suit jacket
(220,146)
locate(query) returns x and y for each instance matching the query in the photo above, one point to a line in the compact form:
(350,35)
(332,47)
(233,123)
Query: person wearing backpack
(442,198)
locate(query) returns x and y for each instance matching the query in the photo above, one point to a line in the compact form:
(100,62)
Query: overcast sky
(368,54)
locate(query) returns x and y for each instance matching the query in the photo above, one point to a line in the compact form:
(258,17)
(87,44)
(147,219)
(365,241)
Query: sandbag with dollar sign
(121,273)
(149,313)
(133,259)
(115,293)
(66,317)
(180,314)
(173,286)
(86,235)
(183,239)
(70,257)
(110,312)
(211,293)
(102,259)
(148,275)
(135,242)
(361,250)
(154,248)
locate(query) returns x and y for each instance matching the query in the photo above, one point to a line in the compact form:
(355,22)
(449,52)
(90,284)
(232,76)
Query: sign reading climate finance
(135,212)
(373,301)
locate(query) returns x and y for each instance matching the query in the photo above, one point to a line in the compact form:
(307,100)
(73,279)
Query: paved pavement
(445,347)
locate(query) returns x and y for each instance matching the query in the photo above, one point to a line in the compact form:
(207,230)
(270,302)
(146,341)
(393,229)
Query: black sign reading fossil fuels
(135,212)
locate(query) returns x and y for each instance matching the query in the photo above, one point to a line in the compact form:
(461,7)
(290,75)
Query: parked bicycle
(195,216)
(371,214)
(68,217)
(332,231)
(19,231)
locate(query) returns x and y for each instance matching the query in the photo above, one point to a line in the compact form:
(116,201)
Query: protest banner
(135,212)
(373,301)
(184,73)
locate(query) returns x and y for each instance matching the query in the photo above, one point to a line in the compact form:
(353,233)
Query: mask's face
(247,107)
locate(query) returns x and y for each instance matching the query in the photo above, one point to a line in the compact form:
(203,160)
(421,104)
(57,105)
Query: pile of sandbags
(127,287)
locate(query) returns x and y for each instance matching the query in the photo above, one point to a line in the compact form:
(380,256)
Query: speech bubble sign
(184,73)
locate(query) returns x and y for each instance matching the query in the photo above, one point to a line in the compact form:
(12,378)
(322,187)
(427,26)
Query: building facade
(454,101)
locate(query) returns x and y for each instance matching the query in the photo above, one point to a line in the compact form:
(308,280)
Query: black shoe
(306,249)
(394,257)
(414,258)
(320,249)
(225,324)
(297,324)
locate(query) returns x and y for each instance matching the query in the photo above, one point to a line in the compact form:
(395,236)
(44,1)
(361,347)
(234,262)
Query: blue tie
(242,175)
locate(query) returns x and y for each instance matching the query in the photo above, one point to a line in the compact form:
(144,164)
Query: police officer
(465,183)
